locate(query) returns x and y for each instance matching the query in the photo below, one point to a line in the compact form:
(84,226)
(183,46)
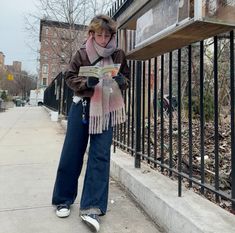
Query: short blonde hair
(101,22)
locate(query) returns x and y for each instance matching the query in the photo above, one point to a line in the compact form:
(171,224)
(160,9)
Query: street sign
(10,77)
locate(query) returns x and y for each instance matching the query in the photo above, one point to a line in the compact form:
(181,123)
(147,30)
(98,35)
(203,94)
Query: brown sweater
(78,83)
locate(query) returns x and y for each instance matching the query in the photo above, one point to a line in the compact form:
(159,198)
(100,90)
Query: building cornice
(51,23)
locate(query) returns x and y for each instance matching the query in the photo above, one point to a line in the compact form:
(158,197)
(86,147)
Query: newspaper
(99,72)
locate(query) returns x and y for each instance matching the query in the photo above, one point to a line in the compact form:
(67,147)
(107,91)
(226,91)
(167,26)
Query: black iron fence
(180,109)
(180,116)
(52,94)
(58,96)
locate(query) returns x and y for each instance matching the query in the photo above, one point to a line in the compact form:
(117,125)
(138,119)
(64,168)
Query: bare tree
(71,12)
(20,85)
(67,11)
(97,6)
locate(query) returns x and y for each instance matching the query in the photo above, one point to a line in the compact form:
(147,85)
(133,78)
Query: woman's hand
(120,79)
(92,82)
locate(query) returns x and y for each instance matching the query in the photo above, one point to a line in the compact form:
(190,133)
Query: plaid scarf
(106,104)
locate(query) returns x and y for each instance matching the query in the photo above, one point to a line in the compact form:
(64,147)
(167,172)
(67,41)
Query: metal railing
(192,139)
(58,96)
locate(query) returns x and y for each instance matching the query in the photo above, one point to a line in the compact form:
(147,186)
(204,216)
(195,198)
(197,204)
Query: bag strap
(99,59)
(96,61)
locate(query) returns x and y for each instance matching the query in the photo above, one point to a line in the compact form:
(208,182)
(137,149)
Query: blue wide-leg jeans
(96,181)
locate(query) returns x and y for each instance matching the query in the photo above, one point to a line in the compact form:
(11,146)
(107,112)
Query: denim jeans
(96,181)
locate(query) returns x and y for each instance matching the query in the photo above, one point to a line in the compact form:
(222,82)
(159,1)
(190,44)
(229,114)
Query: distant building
(2,58)
(2,66)
(5,70)
(59,41)
(15,68)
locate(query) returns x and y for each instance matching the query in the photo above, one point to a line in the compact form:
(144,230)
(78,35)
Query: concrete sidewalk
(30,145)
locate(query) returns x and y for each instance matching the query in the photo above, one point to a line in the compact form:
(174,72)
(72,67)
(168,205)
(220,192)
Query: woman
(97,107)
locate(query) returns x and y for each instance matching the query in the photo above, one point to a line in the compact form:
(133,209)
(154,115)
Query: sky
(13,35)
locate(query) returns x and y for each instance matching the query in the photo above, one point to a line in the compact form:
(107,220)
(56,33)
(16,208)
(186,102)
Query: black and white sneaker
(62,210)
(92,220)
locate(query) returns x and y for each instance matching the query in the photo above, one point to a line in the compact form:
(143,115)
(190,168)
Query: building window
(63,57)
(46,56)
(63,34)
(63,68)
(44,81)
(64,44)
(45,69)
(54,43)
(53,70)
(73,35)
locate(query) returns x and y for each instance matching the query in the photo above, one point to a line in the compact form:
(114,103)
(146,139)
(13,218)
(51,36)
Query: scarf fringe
(118,116)
(97,125)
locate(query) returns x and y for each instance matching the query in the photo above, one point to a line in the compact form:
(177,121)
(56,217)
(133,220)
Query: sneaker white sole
(63,213)
(91,222)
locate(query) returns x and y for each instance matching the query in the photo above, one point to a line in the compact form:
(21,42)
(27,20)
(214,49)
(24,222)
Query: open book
(99,72)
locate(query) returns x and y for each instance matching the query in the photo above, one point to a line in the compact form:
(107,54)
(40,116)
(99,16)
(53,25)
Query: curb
(158,196)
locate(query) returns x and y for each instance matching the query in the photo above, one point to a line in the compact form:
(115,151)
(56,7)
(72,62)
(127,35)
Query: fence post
(61,94)
(179,127)
(232,118)
(138,115)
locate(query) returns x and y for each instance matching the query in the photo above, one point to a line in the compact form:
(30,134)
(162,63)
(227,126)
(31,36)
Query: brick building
(2,66)
(5,70)
(15,68)
(2,58)
(59,41)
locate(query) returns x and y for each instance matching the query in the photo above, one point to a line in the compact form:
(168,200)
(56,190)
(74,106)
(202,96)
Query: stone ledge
(158,196)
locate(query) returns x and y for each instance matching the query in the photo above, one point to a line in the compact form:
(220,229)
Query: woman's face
(102,38)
